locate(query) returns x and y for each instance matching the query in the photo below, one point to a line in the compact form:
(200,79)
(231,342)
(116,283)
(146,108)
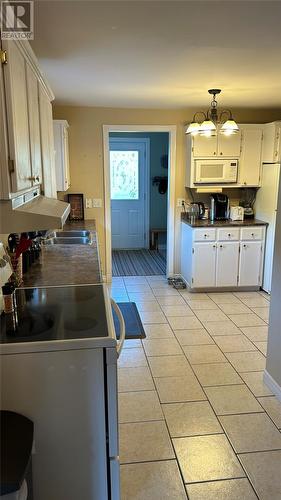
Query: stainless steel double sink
(82,237)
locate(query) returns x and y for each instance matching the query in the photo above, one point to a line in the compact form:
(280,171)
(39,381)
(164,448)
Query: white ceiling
(160,53)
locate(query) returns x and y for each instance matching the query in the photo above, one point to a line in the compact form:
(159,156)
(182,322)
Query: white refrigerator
(266,210)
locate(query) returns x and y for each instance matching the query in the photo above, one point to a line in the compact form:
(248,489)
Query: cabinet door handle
(34,178)
(221,246)
(229,234)
(245,246)
(214,246)
(214,152)
(221,153)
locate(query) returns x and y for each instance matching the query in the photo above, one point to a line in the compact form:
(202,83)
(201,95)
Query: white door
(250,263)
(47,145)
(250,163)
(266,209)
(204,265)
(34,125)
(227,263)
(17,114)
(229,145)
(204,146)
(128,181)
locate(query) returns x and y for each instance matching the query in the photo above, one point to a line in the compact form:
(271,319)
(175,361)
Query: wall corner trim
(272,384)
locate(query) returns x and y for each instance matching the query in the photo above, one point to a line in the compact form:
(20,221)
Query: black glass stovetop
(55,313)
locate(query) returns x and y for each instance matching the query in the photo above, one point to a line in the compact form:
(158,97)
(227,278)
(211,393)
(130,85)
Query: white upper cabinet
(47,145)
(34,126)
(203,146)
(272,143)
(219,145)
(251,156)
(17,117)
(61,154)
(229,145)
(245,146)
(24,123)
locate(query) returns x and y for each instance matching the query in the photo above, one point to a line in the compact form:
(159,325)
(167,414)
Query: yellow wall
(86,145)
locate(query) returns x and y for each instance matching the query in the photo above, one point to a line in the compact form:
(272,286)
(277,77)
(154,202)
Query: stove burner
(29,325)
(80,324)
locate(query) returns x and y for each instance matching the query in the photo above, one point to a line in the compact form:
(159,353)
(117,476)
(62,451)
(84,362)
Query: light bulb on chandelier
(213,123)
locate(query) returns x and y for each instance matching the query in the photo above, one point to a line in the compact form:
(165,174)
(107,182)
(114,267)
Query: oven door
(216,171)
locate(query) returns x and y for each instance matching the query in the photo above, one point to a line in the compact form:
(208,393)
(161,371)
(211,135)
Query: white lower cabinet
(251,253)
(204,265)
(220,263)
(227,263)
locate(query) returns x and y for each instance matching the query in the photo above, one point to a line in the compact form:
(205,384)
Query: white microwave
(216,171)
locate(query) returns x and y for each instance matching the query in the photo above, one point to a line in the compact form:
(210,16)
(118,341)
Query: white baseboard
(272,384)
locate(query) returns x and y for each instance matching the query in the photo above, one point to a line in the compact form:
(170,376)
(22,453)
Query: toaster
(237,213)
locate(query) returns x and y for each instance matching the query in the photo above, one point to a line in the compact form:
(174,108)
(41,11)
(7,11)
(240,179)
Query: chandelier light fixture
(213,122)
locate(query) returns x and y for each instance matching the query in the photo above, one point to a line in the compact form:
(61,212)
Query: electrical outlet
(180,202)
(97,203)
(88,203)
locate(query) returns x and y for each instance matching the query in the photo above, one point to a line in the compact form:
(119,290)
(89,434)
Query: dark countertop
(89,224)
(223,223)
(67,264)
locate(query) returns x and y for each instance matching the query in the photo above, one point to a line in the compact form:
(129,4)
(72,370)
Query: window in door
(124,175)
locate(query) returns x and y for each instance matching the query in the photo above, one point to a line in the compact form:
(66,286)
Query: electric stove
(56,313)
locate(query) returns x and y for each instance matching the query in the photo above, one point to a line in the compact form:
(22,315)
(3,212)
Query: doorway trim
(146,142)
(172,130)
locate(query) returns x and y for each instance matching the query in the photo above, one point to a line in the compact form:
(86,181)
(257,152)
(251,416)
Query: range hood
(32,212)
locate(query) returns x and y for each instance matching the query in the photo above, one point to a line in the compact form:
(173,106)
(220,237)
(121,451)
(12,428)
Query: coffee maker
(219,207)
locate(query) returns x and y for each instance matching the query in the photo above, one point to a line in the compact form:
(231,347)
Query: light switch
(89,203)
(97,203)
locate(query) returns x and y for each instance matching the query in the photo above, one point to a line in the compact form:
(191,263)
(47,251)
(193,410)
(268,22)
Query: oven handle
(120,342)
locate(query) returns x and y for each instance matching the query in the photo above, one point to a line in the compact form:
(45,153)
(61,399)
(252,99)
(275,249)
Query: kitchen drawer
(207,234)
(228,234)
(252,233)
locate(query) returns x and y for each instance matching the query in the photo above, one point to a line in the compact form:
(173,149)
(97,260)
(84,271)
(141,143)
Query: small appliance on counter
(236,213)
(201,208)
(247,202)
(248,212)
(219,207)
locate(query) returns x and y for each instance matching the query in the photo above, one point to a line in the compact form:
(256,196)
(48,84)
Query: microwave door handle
(122,327)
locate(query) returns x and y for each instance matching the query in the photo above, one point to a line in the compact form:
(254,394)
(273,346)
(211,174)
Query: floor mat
(133,324)
(138,263)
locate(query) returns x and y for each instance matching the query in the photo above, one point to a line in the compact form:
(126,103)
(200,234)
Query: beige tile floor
(196,420)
